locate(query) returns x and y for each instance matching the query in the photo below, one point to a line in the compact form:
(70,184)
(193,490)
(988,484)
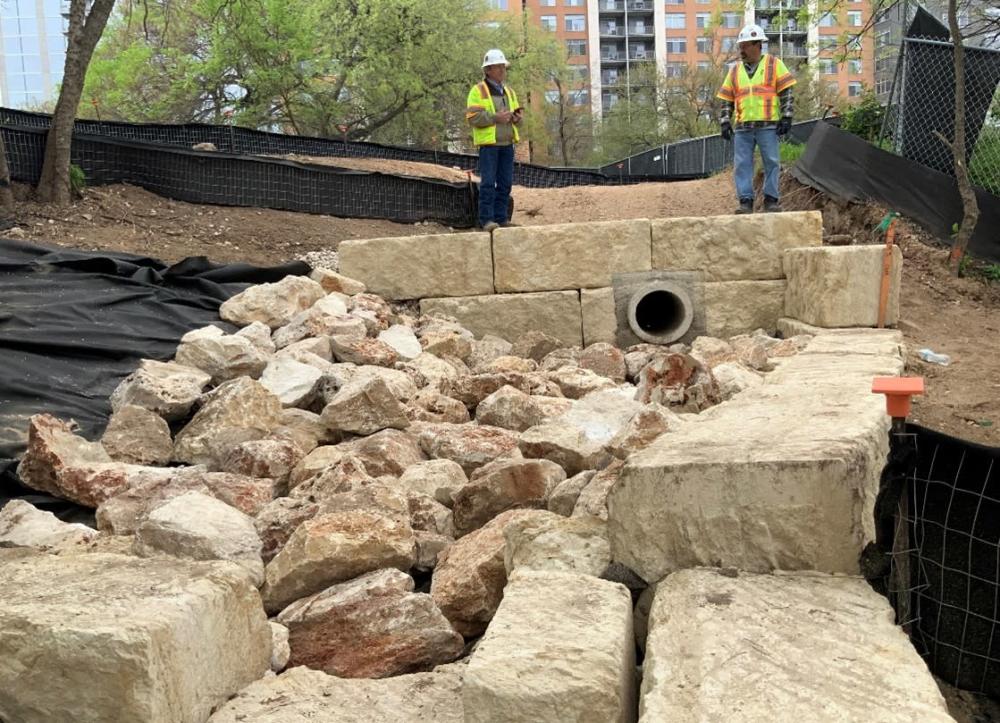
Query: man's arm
(726,112)
(785,98)
(479,117)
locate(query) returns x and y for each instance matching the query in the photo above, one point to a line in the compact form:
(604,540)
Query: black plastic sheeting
(847,167)
(73,324)
(232,180)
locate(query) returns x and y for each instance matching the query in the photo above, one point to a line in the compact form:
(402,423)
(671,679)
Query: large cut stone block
(600,323)
(840,285)
(569,255)
(739,307)
(783,476)
(412,267)
(731,248)
(509,316)
(801,647)
(560,648)
(102,637)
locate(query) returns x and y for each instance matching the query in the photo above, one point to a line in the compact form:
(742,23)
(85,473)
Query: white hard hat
(751,33)
(494,57)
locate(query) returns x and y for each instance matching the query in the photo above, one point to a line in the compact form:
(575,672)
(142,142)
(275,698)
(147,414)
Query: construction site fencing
(920,118)
(247,141)
(945,561)
(236,180)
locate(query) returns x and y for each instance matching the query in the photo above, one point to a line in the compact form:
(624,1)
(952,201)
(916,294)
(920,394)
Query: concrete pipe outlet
(660,312)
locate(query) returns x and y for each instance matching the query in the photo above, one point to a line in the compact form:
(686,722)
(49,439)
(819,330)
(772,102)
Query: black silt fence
(227,179)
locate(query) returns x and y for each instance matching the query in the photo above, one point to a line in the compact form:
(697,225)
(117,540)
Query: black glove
(727,131)
(784,127)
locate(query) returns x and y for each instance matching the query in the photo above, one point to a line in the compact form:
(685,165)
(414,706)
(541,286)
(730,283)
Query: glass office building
(32,51)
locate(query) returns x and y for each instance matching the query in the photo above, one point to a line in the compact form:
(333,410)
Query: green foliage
(77,179)
(864,118)
(791,152)
(984,164)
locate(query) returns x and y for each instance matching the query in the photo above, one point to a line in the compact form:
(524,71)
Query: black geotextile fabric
(232,180)
(74,323)
(847,167)
(954,559)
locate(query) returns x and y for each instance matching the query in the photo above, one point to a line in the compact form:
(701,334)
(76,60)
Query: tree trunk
(970,205)
(6,194)
(84,32)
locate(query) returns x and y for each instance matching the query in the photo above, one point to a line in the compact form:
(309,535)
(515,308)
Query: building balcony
(606,31)
(612,58)
(611,6)
(789,50)
(641,55)
(641,31)
(771,7)
(638,6)
(611,78)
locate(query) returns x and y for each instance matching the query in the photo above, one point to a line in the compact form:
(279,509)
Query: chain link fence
(920,117)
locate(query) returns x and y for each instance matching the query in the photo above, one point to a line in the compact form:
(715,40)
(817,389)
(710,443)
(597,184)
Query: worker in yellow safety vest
(756,111)
(494,114)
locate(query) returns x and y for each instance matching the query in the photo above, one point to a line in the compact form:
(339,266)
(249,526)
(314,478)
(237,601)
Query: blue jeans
(496,173)
(743,144)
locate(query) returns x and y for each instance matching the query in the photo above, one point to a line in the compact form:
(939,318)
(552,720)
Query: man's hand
(518,116)
(502,116)
(727,131)
(784,127)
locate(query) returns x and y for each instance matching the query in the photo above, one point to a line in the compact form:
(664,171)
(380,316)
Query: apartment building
(32,50)
(615,41)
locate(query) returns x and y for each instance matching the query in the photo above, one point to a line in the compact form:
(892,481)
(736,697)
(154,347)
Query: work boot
(746,206)
(490,226)
(510,224)
(771,205)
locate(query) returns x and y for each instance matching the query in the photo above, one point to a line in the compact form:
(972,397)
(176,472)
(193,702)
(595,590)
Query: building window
(728,44)
(675,2)
(576,47)
(732,20)
(579,72)
(704,2)
(576,23)
(704,65)
(552,96)
(574,3)
(579,97)
(547,3)
(854,18)
(828,43)
(498,4)
(827,66)
(674,70)
(674,21)
(855,67)
(828,20)
(676,45)
(704,45)
(854,89)
(548,22)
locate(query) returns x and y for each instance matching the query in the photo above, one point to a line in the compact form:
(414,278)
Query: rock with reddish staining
(642,429)
(510,408)
(471,390)
(373,309)
(437,478)
(136,435)
(277,521)
(560,359)
(504,485)
(429,515)
(432,406)
(272,304)
(365,351)
(443,337)
(593,499)
(639,355)
(511,364)
(751,350)
(469,578)
(470,445)
(335,547)
(711,351)
(564,496)
(374,626)
(59,462)
(576,382)
(535,345)
(331,281)
(432,369)
(678,381)
(270,458)
(605,360)
(364,406)
(387,453)
(347,474)
(166,388)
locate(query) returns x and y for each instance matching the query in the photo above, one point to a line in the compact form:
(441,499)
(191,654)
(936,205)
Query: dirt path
(959,317)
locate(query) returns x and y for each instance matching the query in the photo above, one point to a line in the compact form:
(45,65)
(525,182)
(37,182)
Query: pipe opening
(661,313)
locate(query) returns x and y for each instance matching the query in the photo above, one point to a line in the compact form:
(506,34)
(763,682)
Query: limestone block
(560,648)
(23,525)
(783,476)
(731,248)
(509,316)
(579,544)
(838,286)
(413,267)
(739,307)
(599,321)
(569,255)
(810,647)
(127,639)
(788,327)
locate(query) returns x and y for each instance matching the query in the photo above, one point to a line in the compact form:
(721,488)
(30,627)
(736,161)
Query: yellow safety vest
(756,98)
(481,99)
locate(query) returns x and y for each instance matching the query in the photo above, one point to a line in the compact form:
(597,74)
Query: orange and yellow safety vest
(756,98)
(481,99)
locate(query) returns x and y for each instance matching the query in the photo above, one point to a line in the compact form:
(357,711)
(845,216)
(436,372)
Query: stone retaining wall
(558,279)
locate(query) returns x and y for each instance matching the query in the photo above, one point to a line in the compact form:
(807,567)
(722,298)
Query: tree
(85,29)
(6,195)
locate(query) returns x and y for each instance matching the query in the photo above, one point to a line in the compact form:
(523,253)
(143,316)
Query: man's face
(497,73)
(750,52)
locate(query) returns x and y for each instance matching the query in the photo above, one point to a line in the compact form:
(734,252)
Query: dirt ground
(958,317)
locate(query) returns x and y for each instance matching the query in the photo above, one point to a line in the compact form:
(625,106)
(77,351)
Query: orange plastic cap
(898,392)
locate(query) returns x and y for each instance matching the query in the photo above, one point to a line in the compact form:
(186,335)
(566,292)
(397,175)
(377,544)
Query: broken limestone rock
(511,364)
(593,499)
(364,406)
(364,351)
(580,621)
(220,355)
(605,360)
(578,544)
(268,458)
(137,436)
(431,406)
(429,515)
(200,527)
(276,522)
(301,694)
(437,478)
(332,281)
(300,350)
(369,628)
(822,642)
(280,650)
(470,445)
(711,351)
(560,359)
(678,381)
(399,382)
(98,622)
(639,355)
(24,525)
(469,579)
(304,429)
(429,547)
(63,464)
(564,496)
(752,350)
(510,408)
(504,485)
(291,381)
(166,388)
(564,444)
(334,547)
(235,412)
(272,304)
(486,350)
(535,345)
(576,383)
(432,370)
(733,378)
(402,340)
(642,430)
(327,317)
(346,475)
(259,335)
